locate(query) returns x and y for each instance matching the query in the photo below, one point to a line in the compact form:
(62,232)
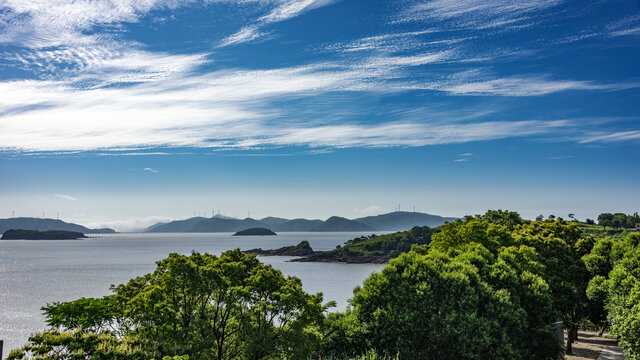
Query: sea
(36,272)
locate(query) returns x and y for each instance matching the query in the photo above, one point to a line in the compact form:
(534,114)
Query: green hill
(377,249)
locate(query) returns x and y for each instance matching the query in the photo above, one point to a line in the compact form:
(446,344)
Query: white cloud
(284,10)
(235,109)
(66,197)
(476,14)
(521,86)
(611,137)
(246,34)
(461,160)
(150,170)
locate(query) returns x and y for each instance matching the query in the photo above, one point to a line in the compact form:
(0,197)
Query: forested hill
(375,249)
(395,221)
(30,223)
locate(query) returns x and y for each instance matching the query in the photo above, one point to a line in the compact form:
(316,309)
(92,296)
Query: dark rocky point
(302,249)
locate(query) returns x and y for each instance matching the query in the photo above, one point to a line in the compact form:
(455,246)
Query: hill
(298,225)
(272,222)
(374,249)
(29,223)
(403,220)
(395,221)
(336,223)
(20,234)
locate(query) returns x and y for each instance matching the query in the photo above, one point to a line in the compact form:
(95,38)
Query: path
(590,346)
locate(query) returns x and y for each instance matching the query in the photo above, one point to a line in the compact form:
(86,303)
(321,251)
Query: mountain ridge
(394,221)
(31,223)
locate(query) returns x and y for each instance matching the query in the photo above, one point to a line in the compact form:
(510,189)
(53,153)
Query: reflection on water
(33,273)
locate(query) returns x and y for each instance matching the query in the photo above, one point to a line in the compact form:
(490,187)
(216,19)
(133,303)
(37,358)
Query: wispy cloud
(476,14)
(611,137)
(464,157)
(150,170)
(284,10)
(521,86)
(66,197)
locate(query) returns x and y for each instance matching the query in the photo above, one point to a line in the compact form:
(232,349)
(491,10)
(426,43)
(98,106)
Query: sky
(122,113)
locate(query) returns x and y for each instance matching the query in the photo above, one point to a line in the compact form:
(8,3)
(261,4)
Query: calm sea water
(33,273)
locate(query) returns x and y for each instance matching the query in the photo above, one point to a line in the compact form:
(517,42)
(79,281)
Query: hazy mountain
(29,223)
(336,223)
(395,221)
(175,226)
(298,225)
(272,222)
(403,220)
(226,225)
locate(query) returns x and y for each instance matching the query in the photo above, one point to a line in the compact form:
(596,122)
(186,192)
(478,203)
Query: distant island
(254,232)
(21,234)
(394,221)
(302,249)
(31,223)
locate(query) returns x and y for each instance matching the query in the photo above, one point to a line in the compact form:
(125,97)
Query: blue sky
(122,113)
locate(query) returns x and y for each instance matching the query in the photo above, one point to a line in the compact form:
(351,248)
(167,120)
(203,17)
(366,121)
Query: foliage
(205,306)
(471,293)
(78,345)
(91,314)
(618,220)
(623,303)
(468,304)
(559,245)
(390,245)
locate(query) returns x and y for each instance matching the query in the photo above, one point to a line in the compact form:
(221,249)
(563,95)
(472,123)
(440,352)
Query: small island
(302,249)
(254,232)
(20,234)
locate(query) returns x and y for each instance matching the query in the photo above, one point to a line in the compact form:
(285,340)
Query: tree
(465,304)
(619,220)
(205,306)
(623,300)
(590,221)
(540,217)
(561,248)
(90,314)
(605,219)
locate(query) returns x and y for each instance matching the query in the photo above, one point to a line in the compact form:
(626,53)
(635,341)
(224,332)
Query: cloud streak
(284,10)
(65,197)
(476,14)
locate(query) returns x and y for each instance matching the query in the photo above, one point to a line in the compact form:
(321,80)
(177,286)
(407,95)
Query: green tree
(204,306)
(465,304)
(90,314)
(561,248)
(619,220)
(605,219)
(623,302)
